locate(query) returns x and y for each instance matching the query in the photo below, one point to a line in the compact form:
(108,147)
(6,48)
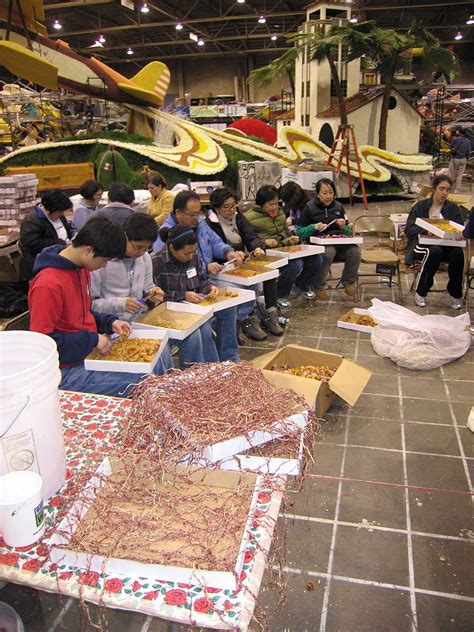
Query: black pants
(270,293)
(431,257)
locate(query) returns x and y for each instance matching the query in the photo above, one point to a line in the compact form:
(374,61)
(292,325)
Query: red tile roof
(358,101)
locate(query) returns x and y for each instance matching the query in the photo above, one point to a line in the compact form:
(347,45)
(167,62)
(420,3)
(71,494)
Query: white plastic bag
(418,342)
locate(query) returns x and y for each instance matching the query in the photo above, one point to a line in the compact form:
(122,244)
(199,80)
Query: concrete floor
(382,528)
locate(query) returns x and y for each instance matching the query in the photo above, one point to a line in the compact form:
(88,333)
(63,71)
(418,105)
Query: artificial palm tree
(283,66)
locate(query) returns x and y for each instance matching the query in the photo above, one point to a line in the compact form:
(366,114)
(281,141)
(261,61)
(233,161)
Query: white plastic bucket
(21,508)
(10,619)
(31,434)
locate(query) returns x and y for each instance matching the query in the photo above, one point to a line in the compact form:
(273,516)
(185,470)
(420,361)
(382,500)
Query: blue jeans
(225,323)
(288,275)
(112,383)
(197,347)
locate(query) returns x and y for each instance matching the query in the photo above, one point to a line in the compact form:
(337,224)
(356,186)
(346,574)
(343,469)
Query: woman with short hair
(91,192)
(160,204)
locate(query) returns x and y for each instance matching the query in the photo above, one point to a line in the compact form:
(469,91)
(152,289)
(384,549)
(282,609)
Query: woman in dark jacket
(435,207)
(233,228)
(45,226)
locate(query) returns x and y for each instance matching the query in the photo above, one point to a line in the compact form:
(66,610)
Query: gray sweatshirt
(120,279)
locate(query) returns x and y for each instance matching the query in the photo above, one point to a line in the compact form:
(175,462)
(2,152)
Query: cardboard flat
(224,302)
(132,367)
(336,241)
(272,262)
(186,316)
(431,226)
(348,382)
(228,550)
(437,241)
(305,251)
(354,314)
(263,274)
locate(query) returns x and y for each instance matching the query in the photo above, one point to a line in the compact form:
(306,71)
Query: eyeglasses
(193,215)
(228,207)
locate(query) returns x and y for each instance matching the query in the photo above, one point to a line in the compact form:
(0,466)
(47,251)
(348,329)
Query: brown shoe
(350,290)
(321,295)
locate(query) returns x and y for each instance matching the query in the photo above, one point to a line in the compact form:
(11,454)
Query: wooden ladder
(340,152)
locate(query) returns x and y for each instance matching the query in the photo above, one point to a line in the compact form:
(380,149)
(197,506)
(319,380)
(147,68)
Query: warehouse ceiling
(227,28)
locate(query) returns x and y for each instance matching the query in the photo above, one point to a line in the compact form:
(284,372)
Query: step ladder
(340,155)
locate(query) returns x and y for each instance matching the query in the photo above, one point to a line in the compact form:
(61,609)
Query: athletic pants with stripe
(431,257)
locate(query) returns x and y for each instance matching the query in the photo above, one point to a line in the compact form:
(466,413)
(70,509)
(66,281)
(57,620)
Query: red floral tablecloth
(90,430)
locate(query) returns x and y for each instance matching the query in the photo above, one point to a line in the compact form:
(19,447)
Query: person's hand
(258,252)
(156,295)
(341,222)
(271,243)
(103,346)
(122,328)
(132,305)
(237,256)
(214,268)
(213,292)
(289,222)
(320,226)
(294,240)
(193,297)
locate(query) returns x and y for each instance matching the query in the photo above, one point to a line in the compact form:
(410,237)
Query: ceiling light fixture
(200,42)
(274,37)
(240,1)
(262,19)
(145,8)
(179,27)
(458,36)
(470,19)
(57,25)
(129,51)
(101,39)
(97,44)
(354,19)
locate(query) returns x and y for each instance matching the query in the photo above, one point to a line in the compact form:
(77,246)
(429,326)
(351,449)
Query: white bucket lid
(17,487)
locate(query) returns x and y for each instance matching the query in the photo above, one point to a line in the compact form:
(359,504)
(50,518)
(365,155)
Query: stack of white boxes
(17,199)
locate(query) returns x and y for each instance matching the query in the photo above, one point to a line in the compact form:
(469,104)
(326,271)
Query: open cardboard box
(263,274)
(224,302)
(305,250)
(101,364)
(228,549)
(353,315)
(186,316)
(336,241)
(433,226)
(348,382)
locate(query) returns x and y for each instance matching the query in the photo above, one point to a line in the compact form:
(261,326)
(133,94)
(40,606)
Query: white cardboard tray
(247,281)
(360,312)
(437,241)
(121,567)
(132,367)
(189,308)
(244,296)
(306,251)
(434,230)
(336,241)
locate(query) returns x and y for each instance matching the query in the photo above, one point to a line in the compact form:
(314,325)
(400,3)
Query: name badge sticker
(191,273)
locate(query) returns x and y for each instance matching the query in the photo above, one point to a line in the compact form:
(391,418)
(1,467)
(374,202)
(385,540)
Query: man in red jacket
(60,306)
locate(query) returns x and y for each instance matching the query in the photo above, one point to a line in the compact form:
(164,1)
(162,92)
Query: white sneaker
(420,300)
(457,303)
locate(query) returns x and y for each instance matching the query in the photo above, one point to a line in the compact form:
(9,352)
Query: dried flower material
(321,373)
(259,262)
(334,236)
(289,248)
(310,586)
(245,274)
(445,226)
(218,299)
(131,350)
(367,321)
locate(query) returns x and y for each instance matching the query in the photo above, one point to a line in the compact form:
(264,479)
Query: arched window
(326,135)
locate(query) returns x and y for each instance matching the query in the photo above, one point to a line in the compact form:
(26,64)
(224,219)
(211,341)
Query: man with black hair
(45,226)
(60,306)
(119,209)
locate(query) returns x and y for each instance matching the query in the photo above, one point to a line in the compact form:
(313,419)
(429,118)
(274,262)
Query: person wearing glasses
(233,228)
(210,249)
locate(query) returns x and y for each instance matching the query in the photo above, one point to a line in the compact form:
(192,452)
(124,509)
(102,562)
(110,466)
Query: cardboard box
(132,367)
(437,241)
(186,316)
(354,314)
(348,382)
(304,251)
(224,302)
(432,226)
(336,241)
(231,551)
(306,178)
(263,274)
